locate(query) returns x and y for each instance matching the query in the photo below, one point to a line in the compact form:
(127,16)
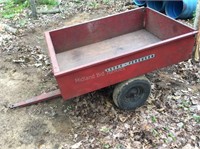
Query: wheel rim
(134,94)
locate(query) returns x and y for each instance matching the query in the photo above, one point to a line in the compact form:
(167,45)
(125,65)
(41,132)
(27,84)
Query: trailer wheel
(131,94)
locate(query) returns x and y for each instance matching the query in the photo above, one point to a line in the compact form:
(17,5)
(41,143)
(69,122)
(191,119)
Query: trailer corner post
(197,27)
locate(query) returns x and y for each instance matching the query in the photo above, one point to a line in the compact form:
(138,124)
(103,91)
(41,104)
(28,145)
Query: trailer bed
(105,50)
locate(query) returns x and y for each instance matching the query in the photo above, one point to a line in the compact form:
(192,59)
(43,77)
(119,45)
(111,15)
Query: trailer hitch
(37,99)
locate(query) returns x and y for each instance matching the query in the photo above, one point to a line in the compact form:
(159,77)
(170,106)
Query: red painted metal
(52,54)
(175,45)
(37,99)
(97,30)
(83,55)
(164,27)
(166,54)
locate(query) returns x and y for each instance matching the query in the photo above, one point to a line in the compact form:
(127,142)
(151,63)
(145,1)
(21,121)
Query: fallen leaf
(122,118)
(77,145)
(189,146)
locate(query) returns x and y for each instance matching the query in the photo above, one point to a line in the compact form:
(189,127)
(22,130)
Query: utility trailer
(119,49)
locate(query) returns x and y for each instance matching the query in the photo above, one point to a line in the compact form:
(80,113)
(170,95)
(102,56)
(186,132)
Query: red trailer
(115,50)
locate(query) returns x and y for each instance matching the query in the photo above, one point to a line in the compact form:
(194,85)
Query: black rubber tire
(131,94)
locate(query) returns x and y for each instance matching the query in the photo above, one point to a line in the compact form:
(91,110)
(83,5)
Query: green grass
(196,118)
(13,7)
(19,1)
(171,135)
(155,133)
(48,2)
(77,1)
(93,4)
(105,129)
(153,119)
(106,146)
(106,2)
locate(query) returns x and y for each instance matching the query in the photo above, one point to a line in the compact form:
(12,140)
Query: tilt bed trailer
(115,50)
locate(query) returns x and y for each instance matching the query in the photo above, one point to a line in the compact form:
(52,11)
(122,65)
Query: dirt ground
(169,119)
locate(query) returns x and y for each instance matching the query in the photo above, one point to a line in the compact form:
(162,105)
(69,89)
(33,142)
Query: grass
(106,2)
(171,135)
(105,129)
(106,146)
(13,7)
(153,119)
(77,1)
(93,4)
(185,104)
(196,118)
(48,2)
(155,133)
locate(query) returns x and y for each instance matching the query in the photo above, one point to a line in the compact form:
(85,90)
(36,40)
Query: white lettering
(130,63)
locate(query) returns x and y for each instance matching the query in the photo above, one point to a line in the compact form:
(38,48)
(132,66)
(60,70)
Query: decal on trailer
(135,61)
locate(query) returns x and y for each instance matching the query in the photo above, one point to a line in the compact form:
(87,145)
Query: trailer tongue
(37,99)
